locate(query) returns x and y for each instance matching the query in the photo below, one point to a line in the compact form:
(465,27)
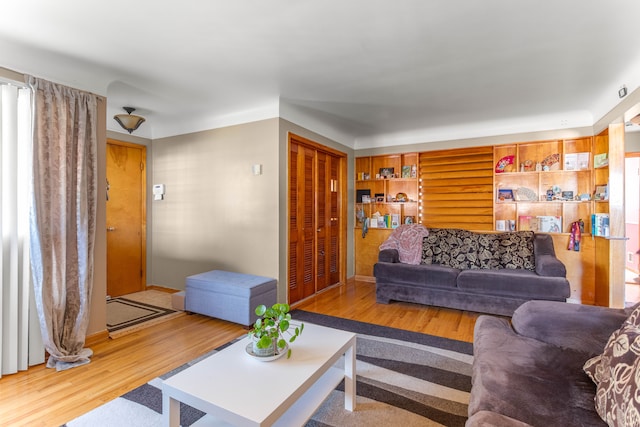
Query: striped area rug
(403,379)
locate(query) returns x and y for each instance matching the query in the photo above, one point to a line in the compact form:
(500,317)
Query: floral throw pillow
(616,373)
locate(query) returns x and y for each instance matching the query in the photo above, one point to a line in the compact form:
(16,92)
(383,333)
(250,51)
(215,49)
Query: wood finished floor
(44,397)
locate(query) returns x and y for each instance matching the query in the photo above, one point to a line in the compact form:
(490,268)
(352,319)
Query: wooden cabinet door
(314,220)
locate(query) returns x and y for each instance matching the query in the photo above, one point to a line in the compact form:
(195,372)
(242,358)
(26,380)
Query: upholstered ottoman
(228,296)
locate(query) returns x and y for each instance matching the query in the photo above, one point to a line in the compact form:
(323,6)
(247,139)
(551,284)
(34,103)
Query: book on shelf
(600,224)
(576,161)
(600,160)
(527,223)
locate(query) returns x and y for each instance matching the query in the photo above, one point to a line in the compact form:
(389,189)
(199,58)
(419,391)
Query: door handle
(111,229)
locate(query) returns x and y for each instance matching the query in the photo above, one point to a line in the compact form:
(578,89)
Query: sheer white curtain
(20,338)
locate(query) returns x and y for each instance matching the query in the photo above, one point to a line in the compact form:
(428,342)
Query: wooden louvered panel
(293,188)
(293,276)
(322,206)
(457,188)
(334,223)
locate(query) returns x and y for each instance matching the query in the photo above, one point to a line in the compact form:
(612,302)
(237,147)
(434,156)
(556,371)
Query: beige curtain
(63,217)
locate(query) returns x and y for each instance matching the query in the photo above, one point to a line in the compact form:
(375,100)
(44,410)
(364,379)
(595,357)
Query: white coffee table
(235,389)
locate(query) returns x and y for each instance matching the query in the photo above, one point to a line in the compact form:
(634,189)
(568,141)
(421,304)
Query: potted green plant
(268,332)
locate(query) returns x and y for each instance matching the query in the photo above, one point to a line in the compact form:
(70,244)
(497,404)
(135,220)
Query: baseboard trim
(96,338)
(161,289)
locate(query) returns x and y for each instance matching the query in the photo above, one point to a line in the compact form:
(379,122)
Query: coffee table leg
(170,411)
(350,378)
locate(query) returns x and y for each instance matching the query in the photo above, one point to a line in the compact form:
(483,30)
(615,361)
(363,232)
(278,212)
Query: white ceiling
(364,72)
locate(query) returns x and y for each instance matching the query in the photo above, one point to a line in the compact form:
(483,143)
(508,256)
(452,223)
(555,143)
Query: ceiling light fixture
(129,122)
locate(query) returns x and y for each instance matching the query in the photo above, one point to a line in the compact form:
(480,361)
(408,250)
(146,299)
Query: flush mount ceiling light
(129,122)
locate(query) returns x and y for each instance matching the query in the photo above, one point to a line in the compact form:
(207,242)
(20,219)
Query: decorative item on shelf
(501,225)
(601,193)
(538,167)
(577,230)
(567,195)
(402,197)
(360,216)
(366,198)
(408,220)
(406,171)
(379,197)
(504,164)
(414,171)
(551,162)
(505,195)
(268,340)
(529,166)
(526,194)
(550,195)
(386,172)
(584,197)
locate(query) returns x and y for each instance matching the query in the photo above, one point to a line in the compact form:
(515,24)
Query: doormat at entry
(123,313)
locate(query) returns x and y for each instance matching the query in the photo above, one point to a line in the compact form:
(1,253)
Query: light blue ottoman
(228,296)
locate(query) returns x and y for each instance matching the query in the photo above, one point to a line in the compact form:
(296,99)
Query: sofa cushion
(617,375)
(512,250)
(435,276)
(523,284)
(451,247)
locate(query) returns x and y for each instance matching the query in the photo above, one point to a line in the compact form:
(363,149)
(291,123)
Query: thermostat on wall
(158,192)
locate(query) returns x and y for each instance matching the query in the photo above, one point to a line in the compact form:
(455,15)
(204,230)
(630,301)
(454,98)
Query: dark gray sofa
(484,272)
(530,372)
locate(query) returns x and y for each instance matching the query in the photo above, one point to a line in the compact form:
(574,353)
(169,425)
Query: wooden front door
(126,218)
(314,218)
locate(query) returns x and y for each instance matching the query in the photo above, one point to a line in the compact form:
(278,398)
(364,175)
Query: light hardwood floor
(44,397)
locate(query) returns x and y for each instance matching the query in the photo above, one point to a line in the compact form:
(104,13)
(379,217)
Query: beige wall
(98,313)
(216,214)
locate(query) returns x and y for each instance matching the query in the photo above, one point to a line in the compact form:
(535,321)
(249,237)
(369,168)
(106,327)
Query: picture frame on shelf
(386,172)
(567,195)
(406,171)
(504,195)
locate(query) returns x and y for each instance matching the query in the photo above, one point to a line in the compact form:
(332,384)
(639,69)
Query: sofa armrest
(584,328)
(550,266)
(389,255)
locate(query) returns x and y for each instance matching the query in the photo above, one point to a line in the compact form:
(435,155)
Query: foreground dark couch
(531,373)
(489,273)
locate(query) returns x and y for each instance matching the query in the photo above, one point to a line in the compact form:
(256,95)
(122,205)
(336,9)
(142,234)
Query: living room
(216,213)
